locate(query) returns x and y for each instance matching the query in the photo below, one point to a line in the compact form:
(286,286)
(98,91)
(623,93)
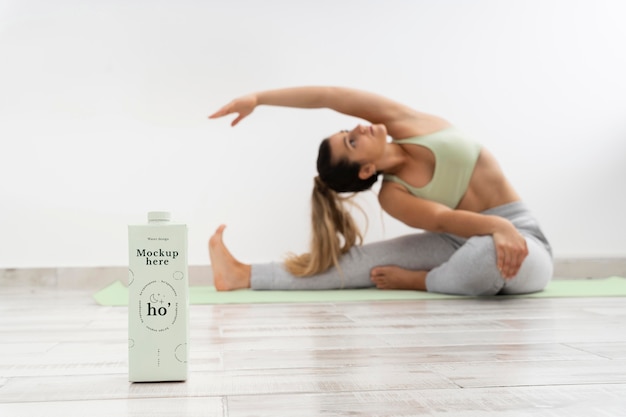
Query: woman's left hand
(243,106)
(511,250)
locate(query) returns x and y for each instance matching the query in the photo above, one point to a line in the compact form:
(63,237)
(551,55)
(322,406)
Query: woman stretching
(477,237)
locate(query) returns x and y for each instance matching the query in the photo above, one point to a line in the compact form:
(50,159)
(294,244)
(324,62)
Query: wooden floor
(62,355)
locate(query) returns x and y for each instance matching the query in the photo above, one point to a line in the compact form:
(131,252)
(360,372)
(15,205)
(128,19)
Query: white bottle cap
(159,216)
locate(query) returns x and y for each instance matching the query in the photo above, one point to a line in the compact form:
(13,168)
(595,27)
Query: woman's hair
(343,176)
(334,231)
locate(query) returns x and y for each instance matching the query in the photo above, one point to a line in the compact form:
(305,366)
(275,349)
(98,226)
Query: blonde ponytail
(334,232)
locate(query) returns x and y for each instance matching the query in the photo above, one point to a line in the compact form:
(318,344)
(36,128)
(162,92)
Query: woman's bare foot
(396,278)
(228,272)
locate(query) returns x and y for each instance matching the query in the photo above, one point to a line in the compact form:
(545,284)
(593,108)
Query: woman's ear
(367,170)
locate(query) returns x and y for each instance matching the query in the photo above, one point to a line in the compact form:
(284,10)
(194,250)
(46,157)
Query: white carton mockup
(158,301)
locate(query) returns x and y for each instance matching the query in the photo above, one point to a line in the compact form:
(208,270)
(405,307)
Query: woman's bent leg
(535,273)
(422,251)
(472,270)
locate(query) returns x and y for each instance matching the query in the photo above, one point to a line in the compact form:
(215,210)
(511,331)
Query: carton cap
(159,216)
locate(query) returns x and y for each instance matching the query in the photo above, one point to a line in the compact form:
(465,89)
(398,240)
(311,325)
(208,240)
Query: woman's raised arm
(397,117)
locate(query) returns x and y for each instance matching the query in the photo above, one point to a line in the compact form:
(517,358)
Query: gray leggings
(457,265)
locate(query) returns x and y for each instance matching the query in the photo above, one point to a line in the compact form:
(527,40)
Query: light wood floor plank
(567,401)
(225,383)
(615,350)
(187,407)
(363,357)
(498,374)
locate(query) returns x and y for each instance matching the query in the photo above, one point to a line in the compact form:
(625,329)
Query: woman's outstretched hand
(511,250)
(243,106)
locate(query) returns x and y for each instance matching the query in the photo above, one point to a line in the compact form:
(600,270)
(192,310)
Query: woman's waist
(480,199)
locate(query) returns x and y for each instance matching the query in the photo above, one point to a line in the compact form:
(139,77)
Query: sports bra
(455,159)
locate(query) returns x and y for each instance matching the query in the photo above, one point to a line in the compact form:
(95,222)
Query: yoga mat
(116,294)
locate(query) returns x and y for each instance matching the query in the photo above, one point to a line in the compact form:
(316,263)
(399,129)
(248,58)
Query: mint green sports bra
(455,159)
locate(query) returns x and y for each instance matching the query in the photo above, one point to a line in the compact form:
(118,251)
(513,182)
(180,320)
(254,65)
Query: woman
(478,239)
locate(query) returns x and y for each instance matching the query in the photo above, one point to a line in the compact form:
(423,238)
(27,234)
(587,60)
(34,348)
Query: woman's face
(363,144)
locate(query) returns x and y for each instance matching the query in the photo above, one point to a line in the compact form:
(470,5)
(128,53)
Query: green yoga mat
(116,294)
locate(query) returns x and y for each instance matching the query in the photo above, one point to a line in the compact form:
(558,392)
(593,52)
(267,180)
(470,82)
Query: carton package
(158,304)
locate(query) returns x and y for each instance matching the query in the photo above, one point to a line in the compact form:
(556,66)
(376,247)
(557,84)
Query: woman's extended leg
(421,251)
(228,272)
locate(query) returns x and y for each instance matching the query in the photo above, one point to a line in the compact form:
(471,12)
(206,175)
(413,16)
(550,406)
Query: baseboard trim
(94,278)
(587,268)
(84,278)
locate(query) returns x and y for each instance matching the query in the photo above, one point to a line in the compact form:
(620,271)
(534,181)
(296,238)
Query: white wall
(103,111)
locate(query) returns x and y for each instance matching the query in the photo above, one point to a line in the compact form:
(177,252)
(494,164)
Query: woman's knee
(472,270)
(535,273)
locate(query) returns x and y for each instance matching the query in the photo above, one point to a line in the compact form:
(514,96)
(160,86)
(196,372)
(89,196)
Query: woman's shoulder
(421,125)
